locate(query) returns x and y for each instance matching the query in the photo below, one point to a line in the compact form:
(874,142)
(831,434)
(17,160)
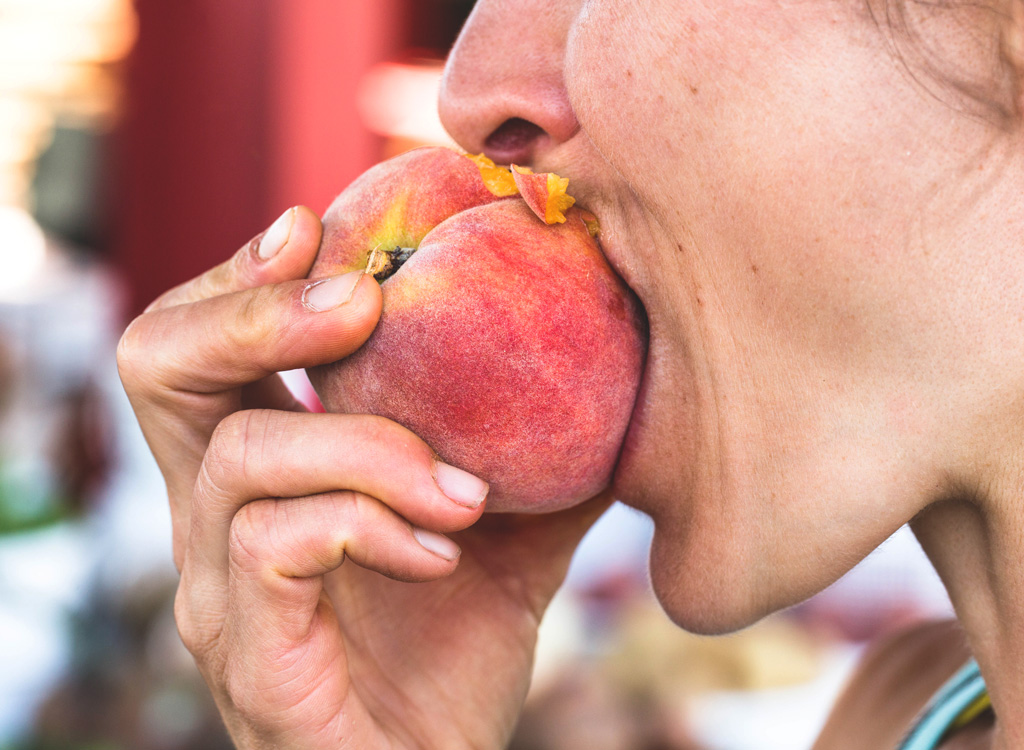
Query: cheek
(744,130)
(615,66)
(725,92)
(657,94)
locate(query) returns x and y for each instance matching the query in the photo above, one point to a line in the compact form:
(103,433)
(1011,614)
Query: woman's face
(769,180)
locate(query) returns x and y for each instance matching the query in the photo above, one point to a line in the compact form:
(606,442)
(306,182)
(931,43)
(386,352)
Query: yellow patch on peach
(497,179)
(545,192)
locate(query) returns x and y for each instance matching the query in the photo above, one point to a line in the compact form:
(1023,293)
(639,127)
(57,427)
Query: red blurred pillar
(191,148)
(237,109)
(322,48)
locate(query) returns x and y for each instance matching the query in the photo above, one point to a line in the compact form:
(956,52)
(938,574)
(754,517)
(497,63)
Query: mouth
(621,478)
(624,226)
(615,251)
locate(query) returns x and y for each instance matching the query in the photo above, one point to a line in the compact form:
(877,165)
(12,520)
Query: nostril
(513,141)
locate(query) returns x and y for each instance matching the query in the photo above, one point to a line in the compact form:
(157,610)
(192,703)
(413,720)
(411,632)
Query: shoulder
(893,682)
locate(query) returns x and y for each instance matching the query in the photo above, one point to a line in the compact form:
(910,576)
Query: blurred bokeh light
(58,61)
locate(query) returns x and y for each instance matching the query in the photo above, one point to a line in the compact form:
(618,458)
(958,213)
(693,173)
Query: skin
(830,260)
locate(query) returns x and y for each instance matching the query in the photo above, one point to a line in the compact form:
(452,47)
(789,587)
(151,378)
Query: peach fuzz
(508,344)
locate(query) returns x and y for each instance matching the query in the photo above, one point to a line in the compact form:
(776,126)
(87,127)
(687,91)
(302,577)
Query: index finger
(283,252)
(225,342)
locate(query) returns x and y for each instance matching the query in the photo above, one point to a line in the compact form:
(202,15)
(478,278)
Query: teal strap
(956,696)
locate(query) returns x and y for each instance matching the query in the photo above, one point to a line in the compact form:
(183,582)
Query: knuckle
(231,444)
(359,511)
(253,320)
(196,639)
(248,701)
(251,536)
(229,276)
(264,325)
(145,364)
(278,542)
(240,267)
(131,353)
(245,459)
(222,472)
(225,454)
(388,432)
(202,287)
(378,428)
(242,448)
(238,687)
(228,442)
(417,458)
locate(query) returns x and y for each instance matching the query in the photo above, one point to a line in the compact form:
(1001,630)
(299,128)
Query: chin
(706,561)
(699,598)
(694,559)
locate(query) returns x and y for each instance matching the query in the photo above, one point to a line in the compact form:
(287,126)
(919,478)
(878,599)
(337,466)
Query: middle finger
(266,454)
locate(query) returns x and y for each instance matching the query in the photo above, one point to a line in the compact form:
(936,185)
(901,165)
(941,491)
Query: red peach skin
(509,345)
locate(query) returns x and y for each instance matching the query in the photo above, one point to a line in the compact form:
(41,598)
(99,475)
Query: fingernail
(441,546)
(277,236)
(460,486)
(328,294)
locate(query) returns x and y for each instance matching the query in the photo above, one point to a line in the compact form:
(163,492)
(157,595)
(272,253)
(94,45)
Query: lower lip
(633,439)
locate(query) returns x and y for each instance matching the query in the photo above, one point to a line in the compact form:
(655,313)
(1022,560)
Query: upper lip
(612,243)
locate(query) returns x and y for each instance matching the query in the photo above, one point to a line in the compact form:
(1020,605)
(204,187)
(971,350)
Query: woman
(819,204)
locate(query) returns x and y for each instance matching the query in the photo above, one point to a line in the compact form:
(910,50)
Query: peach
(508,344)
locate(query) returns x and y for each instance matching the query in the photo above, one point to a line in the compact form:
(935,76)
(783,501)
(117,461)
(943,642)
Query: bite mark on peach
(544,193)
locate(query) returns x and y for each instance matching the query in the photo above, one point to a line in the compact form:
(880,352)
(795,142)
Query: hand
(299,649)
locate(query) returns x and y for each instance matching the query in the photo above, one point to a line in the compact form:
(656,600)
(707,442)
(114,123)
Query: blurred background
(142,142)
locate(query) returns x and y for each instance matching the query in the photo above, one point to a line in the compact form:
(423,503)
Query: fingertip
(344,311)
(461,487)
(289,244)
(355,293)
(272,241)
(437,544)
(368,296)
(362,310)
(307,230)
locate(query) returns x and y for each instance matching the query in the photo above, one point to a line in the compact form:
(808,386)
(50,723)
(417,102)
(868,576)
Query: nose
(503,91)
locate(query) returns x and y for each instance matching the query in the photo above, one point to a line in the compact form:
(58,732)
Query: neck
(974,534)
(976,548)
